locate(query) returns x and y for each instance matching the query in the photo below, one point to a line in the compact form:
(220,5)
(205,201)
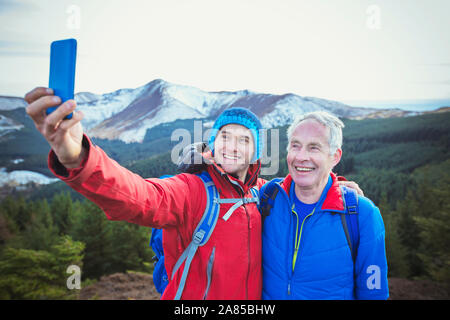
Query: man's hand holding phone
(53,109)
(64,136)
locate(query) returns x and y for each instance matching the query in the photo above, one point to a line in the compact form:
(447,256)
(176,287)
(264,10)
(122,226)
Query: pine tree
(40,233)
(408,232)
(434,225)
(17,210)
(395,251)
(39,274)
(62,212)
(131,246)
(90,227)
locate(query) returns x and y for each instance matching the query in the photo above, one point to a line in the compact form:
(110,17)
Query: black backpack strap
(350,220)
(267,198)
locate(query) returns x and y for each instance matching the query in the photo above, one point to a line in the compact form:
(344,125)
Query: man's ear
(337,157)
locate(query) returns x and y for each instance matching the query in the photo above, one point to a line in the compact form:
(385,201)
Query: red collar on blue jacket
(333,201)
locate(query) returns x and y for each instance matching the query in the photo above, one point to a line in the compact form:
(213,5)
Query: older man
(306,247)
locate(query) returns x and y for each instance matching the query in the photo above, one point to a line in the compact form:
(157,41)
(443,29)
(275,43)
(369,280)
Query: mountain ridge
(126,114)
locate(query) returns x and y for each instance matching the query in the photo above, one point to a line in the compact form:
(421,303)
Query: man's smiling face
(233,149)
(309,160)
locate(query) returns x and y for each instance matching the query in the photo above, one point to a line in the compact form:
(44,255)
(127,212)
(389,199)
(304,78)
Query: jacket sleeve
(371,264)
(124,195)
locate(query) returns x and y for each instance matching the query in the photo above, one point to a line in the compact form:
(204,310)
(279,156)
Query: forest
(402,165)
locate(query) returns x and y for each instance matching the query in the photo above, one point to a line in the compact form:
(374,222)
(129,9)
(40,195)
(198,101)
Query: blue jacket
(324,268)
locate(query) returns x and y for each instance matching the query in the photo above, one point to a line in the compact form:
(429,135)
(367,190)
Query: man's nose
(231,144)
(302,155)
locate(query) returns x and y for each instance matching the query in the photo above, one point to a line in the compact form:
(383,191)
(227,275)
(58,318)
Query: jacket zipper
(248,252)
(242,193)
(298,238)
(248,220)
(297,246)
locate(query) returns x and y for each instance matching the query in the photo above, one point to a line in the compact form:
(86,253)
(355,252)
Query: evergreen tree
(131,247)
(39,233)
(408,232)
(39,274)
(90,227)
(395,251)
(62,212)
(17,210)
(434,223)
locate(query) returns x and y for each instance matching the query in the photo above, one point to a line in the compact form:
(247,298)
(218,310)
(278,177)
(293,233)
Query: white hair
(328,120)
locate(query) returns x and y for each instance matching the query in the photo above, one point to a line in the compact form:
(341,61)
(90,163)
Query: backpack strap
(350,220)
(206,226)
(267,199)
(201,233)
(239,202)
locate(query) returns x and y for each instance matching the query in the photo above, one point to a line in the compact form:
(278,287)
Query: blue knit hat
(245,118)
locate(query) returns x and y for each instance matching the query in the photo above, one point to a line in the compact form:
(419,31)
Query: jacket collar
(331,198)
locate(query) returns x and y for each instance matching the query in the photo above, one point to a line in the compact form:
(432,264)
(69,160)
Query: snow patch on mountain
(8,125)
(167,113)
(21,177)
(11,103)
(105,106)
(86,97)
(206,103)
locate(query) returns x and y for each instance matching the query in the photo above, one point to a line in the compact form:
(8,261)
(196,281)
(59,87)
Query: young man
(228,266)
(306,254)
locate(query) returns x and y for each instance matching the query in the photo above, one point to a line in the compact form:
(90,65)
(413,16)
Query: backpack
(349,218)
(160,278)
(200,237)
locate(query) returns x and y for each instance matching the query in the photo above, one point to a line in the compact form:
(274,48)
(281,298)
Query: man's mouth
(304,169)
(226,156)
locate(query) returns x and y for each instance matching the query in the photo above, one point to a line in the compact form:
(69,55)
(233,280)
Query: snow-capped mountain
(127,114)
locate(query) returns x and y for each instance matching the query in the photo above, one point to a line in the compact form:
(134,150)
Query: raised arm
(122,194)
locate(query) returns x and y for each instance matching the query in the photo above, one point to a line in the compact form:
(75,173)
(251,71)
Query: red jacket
(177,204)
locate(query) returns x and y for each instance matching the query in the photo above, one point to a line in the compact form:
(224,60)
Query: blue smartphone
(63,55)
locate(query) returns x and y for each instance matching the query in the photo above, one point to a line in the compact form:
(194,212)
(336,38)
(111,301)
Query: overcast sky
(334,49)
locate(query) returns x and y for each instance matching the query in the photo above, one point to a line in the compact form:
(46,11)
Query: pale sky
(333,49)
